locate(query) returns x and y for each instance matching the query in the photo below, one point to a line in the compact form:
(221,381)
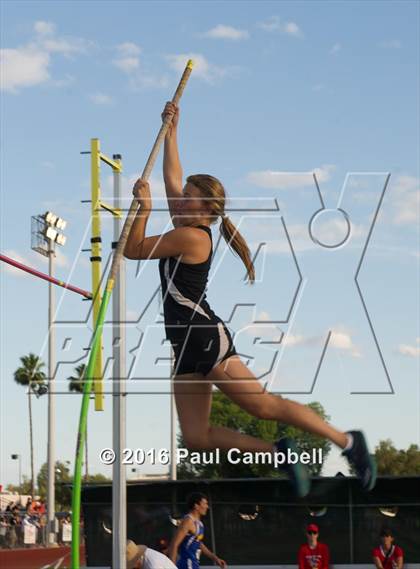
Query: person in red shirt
(388,555)
(313,554)
(42,508)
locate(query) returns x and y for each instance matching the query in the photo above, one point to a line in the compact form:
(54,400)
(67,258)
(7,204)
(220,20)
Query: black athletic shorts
(198,348)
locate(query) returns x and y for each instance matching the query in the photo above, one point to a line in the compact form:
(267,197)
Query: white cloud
(268,331)
(286,180)
(226,32)
(157,186)
(292,29)
(203,69)
(60,259)
(408,211)
(101,99)
(65,46)
(23,67)
(411,351)
(32,261)
(390,44)
(330,232)
(407,183)
(47,40)
(339,339)
(128,49)
(294,340)
(129,62)
(406,200)
(318,87)
(28,65)
(44,28)
(274,24)
(16,257)
(334,229)
(342,341)
(335,49)
(128,59)
(281,246)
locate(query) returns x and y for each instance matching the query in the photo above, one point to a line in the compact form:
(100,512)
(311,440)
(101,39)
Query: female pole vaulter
(204,351)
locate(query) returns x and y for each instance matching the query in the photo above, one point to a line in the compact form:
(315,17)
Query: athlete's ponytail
(214,195)
(238,244)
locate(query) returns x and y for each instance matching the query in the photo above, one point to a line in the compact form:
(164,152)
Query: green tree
(63,481)
(306,442)
(62,486)
(98,479)
(394,462)
(24,488)
(76,381)
(226,413)
(76,384)
(30,375)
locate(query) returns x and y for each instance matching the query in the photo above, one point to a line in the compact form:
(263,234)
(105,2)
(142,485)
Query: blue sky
(280,90)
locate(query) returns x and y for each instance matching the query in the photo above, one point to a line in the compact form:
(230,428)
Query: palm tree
(77,384)
(29,374)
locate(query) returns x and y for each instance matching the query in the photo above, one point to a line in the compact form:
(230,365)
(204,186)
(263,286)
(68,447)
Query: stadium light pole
(49,229)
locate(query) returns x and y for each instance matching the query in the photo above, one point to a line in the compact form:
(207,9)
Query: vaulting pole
(43,276)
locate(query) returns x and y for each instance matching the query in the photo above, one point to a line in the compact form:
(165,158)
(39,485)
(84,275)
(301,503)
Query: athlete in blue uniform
(187,544)
(204,351)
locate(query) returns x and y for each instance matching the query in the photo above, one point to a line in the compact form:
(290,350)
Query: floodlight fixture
(51,233)
(61,239)
(61,224)
(51,218)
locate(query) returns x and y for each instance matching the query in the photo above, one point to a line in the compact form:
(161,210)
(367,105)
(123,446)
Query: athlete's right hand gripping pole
(119,251)
(145,176)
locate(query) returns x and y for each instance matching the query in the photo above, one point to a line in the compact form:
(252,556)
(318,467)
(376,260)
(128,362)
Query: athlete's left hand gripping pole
(119,251)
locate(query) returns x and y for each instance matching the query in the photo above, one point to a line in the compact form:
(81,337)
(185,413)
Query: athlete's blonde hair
(214,196)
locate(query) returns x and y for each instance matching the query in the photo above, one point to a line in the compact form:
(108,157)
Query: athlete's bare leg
(236,381)
(193,395)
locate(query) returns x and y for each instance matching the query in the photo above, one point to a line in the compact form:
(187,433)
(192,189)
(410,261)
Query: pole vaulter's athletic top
(119,251)
(45,277)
